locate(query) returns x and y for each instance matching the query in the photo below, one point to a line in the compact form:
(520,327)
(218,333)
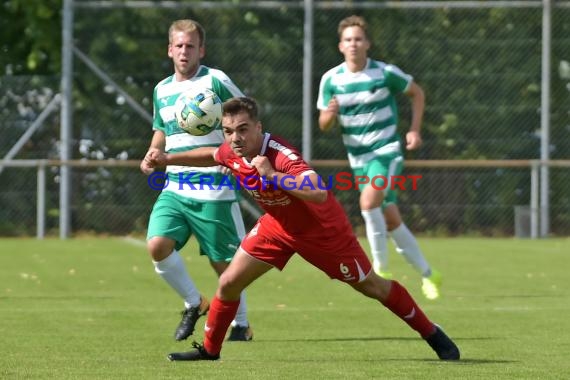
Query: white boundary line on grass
(133,241)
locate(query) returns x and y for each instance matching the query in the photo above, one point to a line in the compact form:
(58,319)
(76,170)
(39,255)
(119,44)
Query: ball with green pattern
(198,112)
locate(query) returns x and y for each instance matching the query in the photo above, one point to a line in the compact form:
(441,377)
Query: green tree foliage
(30,36)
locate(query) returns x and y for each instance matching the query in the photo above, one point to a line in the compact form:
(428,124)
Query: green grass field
(95,309)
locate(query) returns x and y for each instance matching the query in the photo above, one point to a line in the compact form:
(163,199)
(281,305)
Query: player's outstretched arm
(305,187)
(197,157)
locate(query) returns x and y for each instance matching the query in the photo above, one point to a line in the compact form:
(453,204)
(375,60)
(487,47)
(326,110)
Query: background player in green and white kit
(360,94)
(212,216)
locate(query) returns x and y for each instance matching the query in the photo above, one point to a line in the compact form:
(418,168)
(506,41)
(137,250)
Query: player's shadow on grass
(369,339)
(471,361)
(463,361)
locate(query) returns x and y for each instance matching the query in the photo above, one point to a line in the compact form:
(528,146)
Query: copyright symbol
(158,180)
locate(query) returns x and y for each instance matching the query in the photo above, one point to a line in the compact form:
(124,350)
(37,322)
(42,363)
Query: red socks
(401,303)
(220,317)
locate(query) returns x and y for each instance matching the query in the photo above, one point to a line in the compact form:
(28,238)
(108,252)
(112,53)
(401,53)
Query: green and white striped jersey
(165,94)
(368,113)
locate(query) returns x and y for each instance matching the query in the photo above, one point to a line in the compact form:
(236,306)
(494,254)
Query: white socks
(407,245)
(173,271)
(241,314)
(376,234)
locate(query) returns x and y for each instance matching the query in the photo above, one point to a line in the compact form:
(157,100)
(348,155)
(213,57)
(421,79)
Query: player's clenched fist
(263,166)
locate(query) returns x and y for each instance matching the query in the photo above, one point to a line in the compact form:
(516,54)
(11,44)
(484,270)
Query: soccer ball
(198,112)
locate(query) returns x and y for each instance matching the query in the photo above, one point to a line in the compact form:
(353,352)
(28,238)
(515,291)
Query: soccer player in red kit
(301,216)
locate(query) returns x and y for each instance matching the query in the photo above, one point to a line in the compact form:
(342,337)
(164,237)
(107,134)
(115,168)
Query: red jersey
(294,215)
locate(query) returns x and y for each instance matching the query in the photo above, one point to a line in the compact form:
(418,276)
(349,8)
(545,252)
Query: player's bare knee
(379,287)
(370,198)
(228,287)
(391,225)
(374,287)
(392,216)
(159,248)
(384,287)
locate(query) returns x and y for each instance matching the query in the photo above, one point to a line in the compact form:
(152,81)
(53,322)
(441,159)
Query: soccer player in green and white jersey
(184,208)
(359,94)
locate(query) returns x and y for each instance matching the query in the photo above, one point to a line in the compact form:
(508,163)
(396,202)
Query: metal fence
(446,198)
(481,65)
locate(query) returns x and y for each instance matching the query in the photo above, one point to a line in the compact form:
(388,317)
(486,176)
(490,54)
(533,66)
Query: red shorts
(337,253)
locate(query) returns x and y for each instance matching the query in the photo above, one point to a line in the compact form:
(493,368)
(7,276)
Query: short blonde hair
(187,26)
(352,21)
